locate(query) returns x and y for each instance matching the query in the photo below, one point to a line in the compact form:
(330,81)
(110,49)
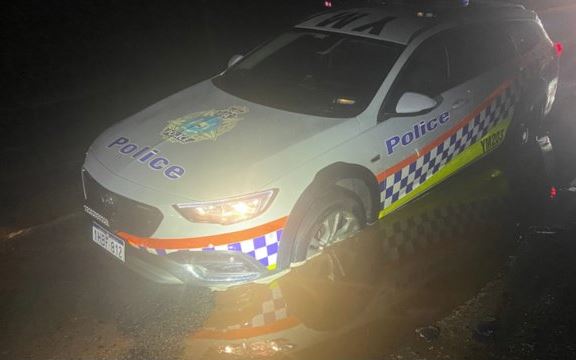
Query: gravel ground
(66,301)
(527,313)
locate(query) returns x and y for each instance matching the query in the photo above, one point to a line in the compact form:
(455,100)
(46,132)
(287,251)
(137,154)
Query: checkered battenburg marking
(263,248)
(397,185)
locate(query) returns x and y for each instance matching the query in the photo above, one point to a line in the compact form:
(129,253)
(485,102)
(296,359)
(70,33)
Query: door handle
(459,103)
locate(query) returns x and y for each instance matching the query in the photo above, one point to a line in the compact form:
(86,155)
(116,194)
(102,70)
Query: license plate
(108,241)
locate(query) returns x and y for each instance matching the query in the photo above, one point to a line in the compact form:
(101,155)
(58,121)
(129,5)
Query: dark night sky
(55,48)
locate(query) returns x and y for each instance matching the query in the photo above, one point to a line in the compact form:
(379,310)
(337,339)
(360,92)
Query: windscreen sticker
(203,125)
(344,19)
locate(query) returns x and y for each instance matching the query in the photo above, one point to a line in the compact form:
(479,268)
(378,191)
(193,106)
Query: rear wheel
(529,163)
(334,216)
(525,128)
(521,151)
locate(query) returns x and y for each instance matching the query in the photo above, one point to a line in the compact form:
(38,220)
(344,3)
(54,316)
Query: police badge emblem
(204,125)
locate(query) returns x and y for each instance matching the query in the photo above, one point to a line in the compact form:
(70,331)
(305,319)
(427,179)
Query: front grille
(122,213)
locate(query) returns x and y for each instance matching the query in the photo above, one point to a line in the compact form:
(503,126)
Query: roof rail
(447,3)
(499,3)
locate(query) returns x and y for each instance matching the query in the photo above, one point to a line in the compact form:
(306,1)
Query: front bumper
(199,268)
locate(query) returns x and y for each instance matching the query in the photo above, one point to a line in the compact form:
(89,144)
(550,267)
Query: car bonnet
(203,143)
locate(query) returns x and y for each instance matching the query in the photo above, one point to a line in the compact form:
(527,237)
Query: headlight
(227,211)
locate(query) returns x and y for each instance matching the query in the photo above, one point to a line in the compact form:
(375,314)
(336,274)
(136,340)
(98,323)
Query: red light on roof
(559,48)
(328,3)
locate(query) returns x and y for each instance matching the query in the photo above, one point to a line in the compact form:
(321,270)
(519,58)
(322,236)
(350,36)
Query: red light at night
(559,48)
(328,3)
(553,193)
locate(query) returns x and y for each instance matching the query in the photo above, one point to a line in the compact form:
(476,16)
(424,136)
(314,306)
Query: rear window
(310,72)
(525,34)
(451,58)
(477,49)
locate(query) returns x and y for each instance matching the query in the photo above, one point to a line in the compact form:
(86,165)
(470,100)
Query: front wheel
(334,216)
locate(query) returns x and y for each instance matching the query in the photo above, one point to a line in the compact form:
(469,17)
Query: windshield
(324,74)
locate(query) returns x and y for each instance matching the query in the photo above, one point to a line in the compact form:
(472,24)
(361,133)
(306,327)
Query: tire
(525,127)
(521,152)
(529,167)
(332,217)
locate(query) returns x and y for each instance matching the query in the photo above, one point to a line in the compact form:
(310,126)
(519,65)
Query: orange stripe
(245,333)
(409,160)
(460,124)
(205,241)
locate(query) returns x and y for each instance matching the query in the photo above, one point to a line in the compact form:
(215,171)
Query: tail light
(558,48)
(553,193)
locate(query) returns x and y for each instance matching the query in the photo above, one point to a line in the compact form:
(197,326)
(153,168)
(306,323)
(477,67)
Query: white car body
(204,144)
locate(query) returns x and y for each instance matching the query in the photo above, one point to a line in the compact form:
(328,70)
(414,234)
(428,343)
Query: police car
(308,138)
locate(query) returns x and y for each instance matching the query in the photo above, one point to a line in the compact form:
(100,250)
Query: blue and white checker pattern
(400,183)
(264,248)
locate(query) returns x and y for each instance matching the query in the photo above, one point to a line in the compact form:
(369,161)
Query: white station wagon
(313,135)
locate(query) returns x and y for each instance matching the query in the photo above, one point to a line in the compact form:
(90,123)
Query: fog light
(223,267)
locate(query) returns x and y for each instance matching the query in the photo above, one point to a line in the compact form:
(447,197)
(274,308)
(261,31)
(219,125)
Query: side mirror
(235,59)
(410,103)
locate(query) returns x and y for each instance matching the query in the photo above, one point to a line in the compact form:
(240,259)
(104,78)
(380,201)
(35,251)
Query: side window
(465,55)
(453,57)
(426,72)
(498,44)
(477,49)
(525,34)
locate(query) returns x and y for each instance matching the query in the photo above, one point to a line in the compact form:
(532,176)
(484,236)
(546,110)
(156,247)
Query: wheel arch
(353,177)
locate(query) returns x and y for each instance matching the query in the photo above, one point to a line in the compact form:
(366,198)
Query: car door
(475,103)
(416,146)
(483,57)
